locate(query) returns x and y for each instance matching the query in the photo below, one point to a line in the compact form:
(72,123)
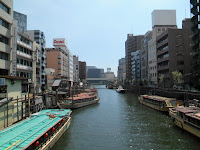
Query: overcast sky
(96,30)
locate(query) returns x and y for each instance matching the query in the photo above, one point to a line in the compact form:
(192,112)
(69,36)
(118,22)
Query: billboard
(59,42)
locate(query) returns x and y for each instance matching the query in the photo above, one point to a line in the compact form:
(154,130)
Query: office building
(76,68)
(132,44)
(6,13)
(161,20)
(121,69)
(95,73)
(39,37)
(82,71)
(174,54)
(144,58)
(135,66)
(195,18)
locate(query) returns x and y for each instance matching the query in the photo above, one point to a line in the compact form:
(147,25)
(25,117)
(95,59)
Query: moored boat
(80,100)
(41,131)
(187,118)
(158,102)
(120,89)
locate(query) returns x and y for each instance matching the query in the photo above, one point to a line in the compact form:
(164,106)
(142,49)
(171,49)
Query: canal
(119,122)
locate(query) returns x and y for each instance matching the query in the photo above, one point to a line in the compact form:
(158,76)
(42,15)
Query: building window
(24,88)
(180,63)
(4,56)
(4,39)
(4,23)
(4,7)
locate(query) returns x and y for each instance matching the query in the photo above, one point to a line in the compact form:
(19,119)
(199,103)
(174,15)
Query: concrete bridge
(99,81)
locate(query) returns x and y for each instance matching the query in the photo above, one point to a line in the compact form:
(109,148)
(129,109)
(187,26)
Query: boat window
(173,103)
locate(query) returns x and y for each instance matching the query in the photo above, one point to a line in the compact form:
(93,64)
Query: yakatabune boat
(40,131)
(158,102)
(80,100)
(187,118)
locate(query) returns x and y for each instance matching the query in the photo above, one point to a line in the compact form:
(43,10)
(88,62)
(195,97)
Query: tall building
(23,53)
(174,53)
(196,42)
(76,68)
(144,57)
(82,71)
(6,13)
(132,44)
(136,75)
(39,37)
(121,67)
(161,20)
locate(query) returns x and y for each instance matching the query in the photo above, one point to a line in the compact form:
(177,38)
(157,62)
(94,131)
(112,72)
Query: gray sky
(96,30)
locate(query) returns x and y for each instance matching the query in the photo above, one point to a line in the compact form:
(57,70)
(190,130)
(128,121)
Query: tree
(177,77)
(162,79)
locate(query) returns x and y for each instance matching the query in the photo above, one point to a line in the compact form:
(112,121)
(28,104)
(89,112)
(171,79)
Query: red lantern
(63,120)
(53,129)
(37,143)
(46,135)
(59,124)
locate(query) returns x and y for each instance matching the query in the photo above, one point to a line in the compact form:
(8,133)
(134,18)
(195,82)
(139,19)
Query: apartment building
(161,20)
(174,53)
(39,37)
(121,69)
(144,57)
(76,68)
(6,13)
(196,42)
(136,75)
(82,71)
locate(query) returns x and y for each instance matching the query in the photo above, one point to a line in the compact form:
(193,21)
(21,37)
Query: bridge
(100,81)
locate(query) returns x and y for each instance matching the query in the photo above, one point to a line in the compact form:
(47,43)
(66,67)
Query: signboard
(2,81)
(59,42)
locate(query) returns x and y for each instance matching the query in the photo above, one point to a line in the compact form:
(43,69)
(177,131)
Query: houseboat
(187,118)
(120,89)
(158,102)
(90,96)
(40,131)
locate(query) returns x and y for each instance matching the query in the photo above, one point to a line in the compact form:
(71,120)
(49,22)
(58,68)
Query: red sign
(55,41)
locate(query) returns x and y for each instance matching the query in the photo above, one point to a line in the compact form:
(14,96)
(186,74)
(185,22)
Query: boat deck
(20,135)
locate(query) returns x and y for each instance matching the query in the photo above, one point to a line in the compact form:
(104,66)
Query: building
(121,69)
(196,42)
(60,59)
(161,20)
(57,58)
(95,73)
(23,54)
(76,68)
(39,37)
(21,21)
(174,53)
(144,57)
(6,13)
(109,76)
(82,71)
(132,44)
(136,75)
(50,78)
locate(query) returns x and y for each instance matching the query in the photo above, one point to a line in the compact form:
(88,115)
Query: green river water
(120,122)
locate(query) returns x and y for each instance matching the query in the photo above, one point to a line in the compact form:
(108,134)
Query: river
(120,122)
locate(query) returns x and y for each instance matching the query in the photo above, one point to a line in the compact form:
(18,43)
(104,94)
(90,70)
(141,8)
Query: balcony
(19,66)
(160,52)
(163,68)
(162,60)
(24,55)
(162,43)
(24,44)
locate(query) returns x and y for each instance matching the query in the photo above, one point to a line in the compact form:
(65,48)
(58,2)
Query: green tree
(162,79)
(177,77)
